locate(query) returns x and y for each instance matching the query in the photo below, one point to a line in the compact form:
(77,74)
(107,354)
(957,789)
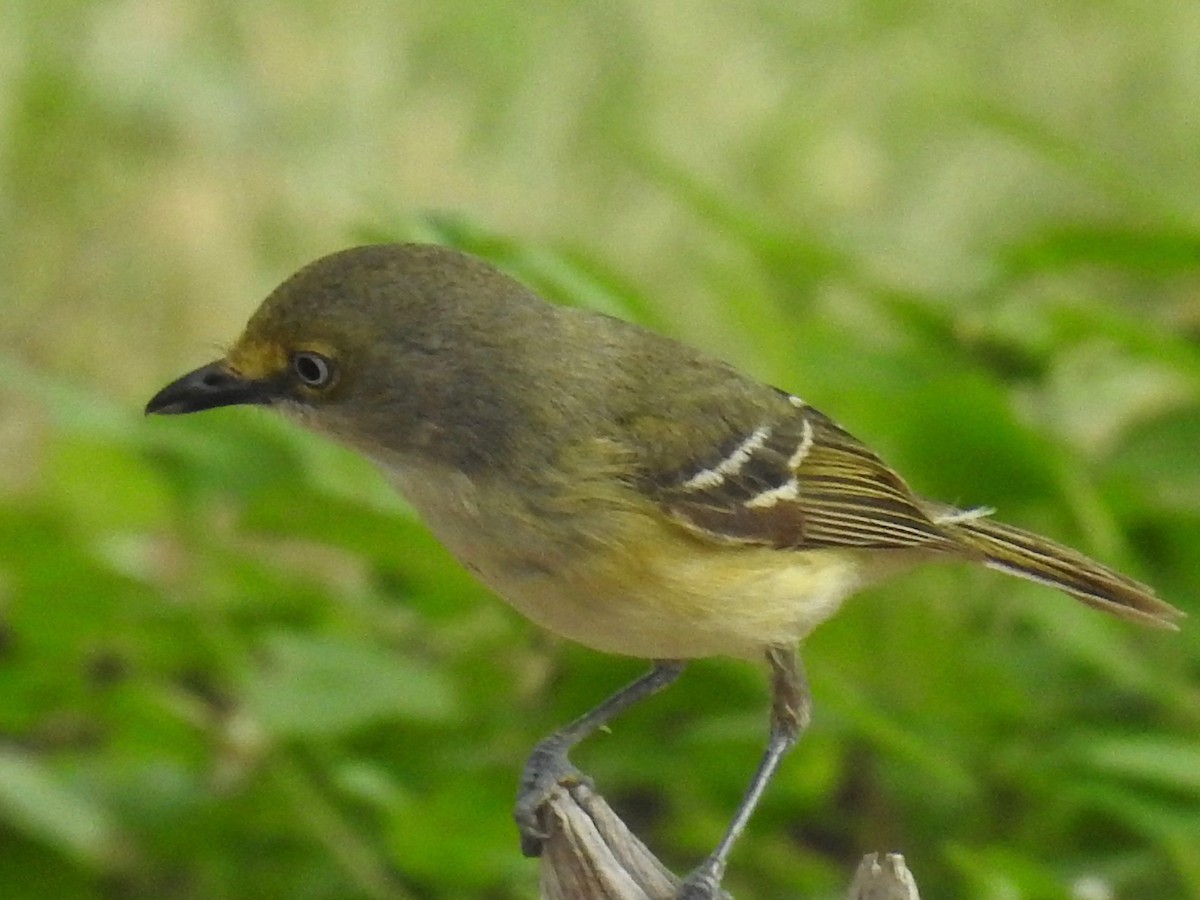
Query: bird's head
(392,349)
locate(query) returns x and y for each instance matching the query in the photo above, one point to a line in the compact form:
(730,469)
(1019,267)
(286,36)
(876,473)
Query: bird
(618,487)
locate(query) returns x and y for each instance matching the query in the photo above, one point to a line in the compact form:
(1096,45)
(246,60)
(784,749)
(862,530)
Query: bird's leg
(548,765)
(791,709)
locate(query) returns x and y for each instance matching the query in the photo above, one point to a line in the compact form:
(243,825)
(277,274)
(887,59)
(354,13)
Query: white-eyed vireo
(615,486)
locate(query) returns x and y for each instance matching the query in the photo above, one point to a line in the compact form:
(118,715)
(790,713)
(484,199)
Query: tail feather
(1036,558)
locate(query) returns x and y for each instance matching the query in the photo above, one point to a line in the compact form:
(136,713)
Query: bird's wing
(798,481)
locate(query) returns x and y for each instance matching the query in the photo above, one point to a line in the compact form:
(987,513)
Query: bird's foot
(546,769)
(704,882)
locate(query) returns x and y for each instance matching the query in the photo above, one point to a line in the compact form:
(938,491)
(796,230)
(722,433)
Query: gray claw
(546,769)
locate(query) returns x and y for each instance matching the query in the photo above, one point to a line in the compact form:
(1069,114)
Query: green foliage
(232,664)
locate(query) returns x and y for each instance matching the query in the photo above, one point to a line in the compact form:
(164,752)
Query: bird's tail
(1036,558)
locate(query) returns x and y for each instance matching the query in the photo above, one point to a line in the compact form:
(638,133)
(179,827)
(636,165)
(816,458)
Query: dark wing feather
(799,482)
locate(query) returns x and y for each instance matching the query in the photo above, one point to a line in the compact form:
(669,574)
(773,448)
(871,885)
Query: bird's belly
(727,602)
(643,586)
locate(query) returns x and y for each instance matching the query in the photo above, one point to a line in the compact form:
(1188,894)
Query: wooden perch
(886,880)
(589,854)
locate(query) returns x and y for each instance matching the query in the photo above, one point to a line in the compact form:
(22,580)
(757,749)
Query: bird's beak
(207,388)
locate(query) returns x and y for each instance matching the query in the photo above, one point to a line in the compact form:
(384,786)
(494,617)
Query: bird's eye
(313,369)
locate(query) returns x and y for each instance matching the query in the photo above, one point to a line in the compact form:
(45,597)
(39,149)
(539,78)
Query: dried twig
(886,880)
(590,854)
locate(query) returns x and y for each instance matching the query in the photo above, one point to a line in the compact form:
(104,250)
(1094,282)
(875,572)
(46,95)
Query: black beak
(207,388)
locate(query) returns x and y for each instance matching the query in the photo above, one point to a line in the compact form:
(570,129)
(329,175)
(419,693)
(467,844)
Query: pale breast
(656,591)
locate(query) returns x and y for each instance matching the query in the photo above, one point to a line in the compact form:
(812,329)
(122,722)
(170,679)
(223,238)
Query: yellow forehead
(256,358)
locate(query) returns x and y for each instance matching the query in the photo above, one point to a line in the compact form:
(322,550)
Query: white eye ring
(313,369)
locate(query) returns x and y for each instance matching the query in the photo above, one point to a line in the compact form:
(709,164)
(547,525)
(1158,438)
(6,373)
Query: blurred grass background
(232,665)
